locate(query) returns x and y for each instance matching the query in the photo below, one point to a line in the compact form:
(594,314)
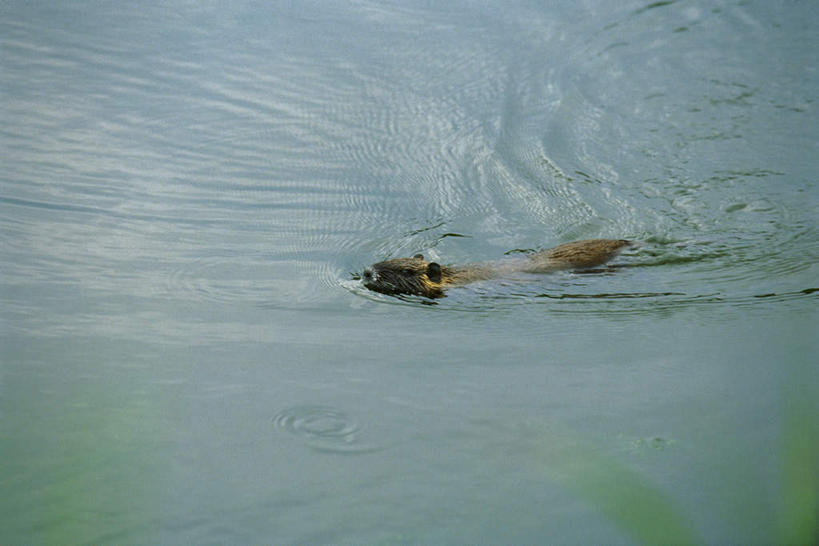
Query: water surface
(188,193)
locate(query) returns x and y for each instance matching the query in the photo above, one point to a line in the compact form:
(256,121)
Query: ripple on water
(325,429)
(261,281)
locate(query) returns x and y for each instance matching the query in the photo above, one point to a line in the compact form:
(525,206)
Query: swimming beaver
(419,277)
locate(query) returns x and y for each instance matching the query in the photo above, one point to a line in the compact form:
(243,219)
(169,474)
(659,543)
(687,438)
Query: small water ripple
(325,429)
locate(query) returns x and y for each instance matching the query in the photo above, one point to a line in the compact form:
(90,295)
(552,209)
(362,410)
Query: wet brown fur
(419,277)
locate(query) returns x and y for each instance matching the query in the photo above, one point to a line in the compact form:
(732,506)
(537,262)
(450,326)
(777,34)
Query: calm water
(188,191)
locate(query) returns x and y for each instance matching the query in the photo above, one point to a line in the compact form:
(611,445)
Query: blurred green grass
(650,516)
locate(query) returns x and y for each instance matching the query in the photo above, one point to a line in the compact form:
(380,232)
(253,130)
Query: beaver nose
(368,275)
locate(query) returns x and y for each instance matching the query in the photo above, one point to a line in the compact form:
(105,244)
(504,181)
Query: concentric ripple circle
(324,428)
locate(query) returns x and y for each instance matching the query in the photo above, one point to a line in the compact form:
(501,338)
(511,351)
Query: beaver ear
(419,256)
(434,272)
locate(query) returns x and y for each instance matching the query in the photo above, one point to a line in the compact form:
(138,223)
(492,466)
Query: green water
(188,193)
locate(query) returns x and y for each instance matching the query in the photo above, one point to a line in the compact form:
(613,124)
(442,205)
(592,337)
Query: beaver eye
(407,272)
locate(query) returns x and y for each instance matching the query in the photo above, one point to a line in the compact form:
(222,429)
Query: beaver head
(414,276)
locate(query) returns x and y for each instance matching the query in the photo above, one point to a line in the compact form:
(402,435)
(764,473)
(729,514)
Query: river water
(189,191)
